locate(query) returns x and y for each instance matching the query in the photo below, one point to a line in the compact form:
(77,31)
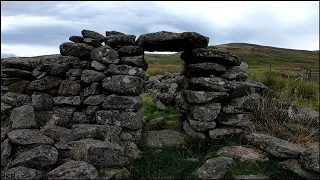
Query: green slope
(258,57)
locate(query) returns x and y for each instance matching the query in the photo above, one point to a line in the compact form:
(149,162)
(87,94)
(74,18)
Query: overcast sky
(38,28)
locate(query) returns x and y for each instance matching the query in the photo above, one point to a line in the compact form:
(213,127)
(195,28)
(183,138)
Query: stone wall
(83,105)
(82,110)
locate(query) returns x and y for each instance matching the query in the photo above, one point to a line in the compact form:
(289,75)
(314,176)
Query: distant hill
(256,56)
(6,55)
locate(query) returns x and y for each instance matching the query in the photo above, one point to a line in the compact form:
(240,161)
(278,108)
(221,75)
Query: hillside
(257,56)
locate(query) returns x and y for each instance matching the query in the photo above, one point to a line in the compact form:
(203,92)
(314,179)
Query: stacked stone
(68,115)
(216,98)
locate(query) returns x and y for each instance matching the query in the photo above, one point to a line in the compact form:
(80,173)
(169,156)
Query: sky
(38,28)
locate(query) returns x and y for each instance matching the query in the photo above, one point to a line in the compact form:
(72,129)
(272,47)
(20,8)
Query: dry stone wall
(67,115)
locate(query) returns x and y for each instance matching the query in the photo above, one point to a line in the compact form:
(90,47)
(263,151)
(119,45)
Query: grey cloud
(137,18)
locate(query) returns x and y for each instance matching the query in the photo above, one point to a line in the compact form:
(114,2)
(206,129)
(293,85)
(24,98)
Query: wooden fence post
(269,66)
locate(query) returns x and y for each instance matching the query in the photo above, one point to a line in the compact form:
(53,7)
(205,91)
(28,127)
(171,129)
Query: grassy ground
(170,115)
(170,162)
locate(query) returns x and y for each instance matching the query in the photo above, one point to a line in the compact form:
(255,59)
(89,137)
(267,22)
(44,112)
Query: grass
(304,93)
(271,119)
(258,57)
(170,163)
(170,115)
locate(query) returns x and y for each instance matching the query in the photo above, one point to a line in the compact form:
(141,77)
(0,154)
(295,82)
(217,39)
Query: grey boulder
(164,138)
(38,158)
(101,154)
(69,88)
(206,112)
(23,118)
(215,168)
(123,85)
(123,103)
(90,76)
(224,132)
(276,147)
(21,172)
(169,41)
(45,83)
(29,137)
(136,61)
(95,99)
(42,101)
(131,120)
(74,170)
(75,49)
(203,96)
(118,41)
(91,34)
(309,159)
(125,70)
(208,54)
(67,100)
(105,55)
(130,51)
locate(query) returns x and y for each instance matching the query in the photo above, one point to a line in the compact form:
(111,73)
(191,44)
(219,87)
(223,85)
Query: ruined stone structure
(71,114)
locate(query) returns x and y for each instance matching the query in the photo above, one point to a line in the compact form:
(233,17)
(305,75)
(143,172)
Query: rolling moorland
(258,57)
(173,162)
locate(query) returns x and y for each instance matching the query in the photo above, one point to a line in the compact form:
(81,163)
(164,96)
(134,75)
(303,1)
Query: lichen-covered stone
(90,76)
(45,83)
(29,137)
(123,103)
(200,55)
(118,41)
(17,73)
(100,154)
(309,159)
(206,112)
(203,69)
(105,55)
(126,51)
(125,70)
(294,166)
(21,172)
(242,120)
(243,153)
(23,118)
(169,41)
(276,147)
(203,96)
(75,49)
(42,101)
(123,85)
(215,168)
(190,132)
(98,66)
(18,87)
(164,138)
(69,88)
(37,158)
(15,99)
(91,34)
(136,61)
(95,99)
(201,125)
(224,132)
(67,100)
(132,120)
(74,170)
